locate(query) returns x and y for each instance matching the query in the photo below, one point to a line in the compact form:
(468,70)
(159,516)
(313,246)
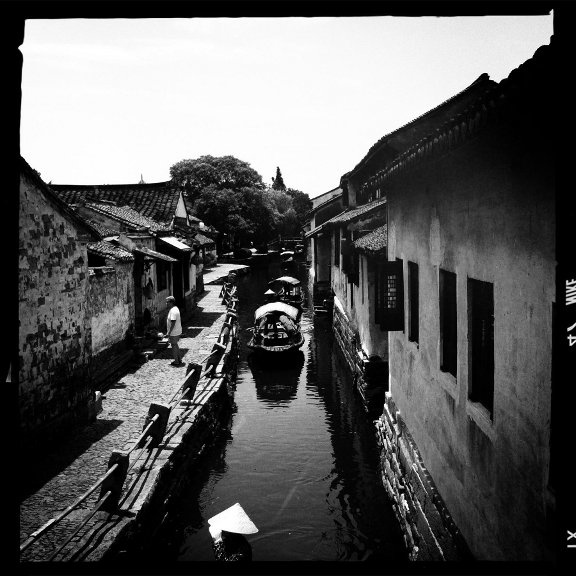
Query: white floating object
(233,519)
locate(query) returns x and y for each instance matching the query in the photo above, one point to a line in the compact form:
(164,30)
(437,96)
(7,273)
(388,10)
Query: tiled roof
(490,108)
(154,254)
(157,201)
(203,240)
(127,215)
(108,250)
(318,229)
(482,79)
(103,230)
(373,242)
(355,212)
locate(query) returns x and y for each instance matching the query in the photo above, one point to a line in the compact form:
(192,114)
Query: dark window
(350,258)
(337,247)
(481,342)
(161,275)
(95,260)
(448,324)
(413,302)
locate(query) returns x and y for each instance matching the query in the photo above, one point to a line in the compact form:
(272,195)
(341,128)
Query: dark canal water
(300,456)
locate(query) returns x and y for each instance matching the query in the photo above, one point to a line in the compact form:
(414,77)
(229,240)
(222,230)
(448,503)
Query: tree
(301,203)
(225,172)
(285,215)
(230,195)
(278,182)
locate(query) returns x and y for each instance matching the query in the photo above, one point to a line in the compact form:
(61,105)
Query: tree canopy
(225,172)
(228,194)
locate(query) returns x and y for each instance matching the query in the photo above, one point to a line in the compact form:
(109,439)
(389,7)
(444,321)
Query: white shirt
(174,314)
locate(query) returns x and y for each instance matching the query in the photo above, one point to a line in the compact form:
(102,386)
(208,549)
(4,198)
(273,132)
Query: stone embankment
(151,464)
(428,529)
(429,532)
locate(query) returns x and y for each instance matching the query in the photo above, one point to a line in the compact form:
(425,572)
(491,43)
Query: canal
(299,454)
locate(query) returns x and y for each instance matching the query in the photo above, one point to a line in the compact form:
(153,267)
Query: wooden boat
(258,260)
(299,252)
(276,329)
(287,261)
(289,290)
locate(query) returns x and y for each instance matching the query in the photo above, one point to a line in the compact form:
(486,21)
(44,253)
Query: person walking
(174,327)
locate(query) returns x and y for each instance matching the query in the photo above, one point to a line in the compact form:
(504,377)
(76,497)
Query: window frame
(413,302)
(448,317)
(481,356)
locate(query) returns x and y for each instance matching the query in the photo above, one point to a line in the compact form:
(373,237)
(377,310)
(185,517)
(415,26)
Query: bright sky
(104,101)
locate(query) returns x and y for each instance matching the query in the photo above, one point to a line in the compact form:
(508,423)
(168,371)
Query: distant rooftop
(157,201)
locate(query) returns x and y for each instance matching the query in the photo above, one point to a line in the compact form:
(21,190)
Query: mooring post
(115,481)
(194,370)
(158,428)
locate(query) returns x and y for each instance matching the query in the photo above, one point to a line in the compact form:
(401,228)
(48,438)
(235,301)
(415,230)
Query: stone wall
(429,531)
(55,339)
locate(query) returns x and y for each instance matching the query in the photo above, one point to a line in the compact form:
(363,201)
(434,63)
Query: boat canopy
(280,307)
(285,280)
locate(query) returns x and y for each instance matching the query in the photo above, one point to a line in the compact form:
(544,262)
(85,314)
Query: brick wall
(54,329)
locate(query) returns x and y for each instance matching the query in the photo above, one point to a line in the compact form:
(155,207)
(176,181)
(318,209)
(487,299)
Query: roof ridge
(483,77)
(478,114)
(166,184)
(55,199)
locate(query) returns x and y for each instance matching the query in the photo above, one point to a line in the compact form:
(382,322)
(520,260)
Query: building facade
(443,267)
(472,229)
(55,333)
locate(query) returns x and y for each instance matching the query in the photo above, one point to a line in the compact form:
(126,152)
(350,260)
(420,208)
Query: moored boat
(276,329)
(289,290)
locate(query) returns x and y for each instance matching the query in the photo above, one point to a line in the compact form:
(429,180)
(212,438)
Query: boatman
(174,327)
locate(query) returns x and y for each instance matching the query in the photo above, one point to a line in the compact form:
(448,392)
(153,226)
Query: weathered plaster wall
(55,339)
(485,211)
(358,301)
(111,306)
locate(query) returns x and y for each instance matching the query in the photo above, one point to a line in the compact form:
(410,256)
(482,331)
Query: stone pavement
(54,480)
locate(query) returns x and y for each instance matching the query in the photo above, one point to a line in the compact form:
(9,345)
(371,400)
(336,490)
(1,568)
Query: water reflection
(276,381)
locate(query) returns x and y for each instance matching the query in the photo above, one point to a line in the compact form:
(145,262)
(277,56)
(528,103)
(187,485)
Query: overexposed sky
(105,101)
